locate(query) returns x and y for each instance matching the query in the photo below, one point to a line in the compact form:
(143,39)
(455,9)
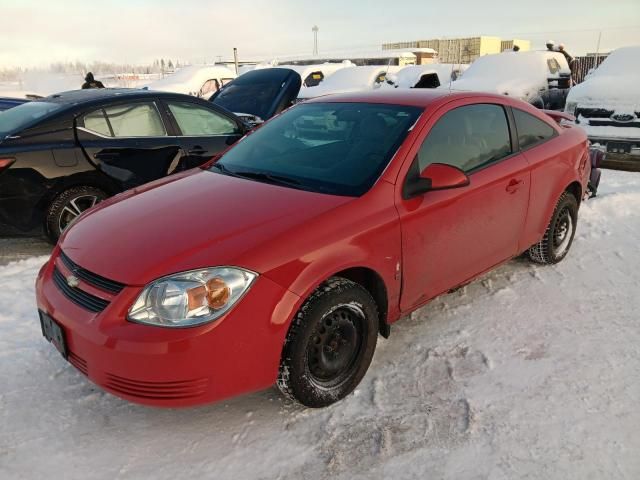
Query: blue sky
(137,31)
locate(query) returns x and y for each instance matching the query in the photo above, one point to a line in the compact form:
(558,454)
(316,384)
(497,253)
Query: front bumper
(170,367)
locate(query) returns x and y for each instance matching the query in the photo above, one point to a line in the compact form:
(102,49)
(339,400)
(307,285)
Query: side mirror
(435,176)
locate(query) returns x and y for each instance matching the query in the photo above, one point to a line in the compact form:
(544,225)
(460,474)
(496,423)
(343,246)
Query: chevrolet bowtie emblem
(73,281)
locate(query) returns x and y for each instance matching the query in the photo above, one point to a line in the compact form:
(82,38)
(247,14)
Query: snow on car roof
(407,77)
(349,80)
(326,68)
(190,79)
(518,74)
(622,61)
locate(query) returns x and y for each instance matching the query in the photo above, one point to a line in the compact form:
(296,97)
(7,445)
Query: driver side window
(468,137)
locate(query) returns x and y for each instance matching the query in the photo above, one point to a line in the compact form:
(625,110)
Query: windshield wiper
(224,170)
(269,177)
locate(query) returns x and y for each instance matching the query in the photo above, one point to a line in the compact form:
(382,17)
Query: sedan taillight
(6,163)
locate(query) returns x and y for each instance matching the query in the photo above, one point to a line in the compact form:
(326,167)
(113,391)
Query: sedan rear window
(132,120)
(335,148)
(25,115)
(531,130)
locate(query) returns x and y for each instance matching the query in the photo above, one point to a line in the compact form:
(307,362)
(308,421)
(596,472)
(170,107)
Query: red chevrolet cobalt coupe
(283,260)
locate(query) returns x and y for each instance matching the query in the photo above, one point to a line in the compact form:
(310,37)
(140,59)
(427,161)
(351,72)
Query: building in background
(509,44)
(461,50)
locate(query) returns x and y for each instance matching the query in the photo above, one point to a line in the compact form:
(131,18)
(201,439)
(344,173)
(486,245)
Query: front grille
(157,390)
(77,296)
(612,123)
(91,278)
(594,112)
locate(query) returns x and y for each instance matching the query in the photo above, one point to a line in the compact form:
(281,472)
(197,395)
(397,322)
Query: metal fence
(584,64)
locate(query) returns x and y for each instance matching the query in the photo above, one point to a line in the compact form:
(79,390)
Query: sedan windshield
(22,116)
(335,148)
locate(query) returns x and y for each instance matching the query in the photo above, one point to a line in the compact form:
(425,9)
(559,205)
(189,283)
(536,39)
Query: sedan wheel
(68,206)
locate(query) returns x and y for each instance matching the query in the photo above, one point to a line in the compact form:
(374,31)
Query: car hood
(608,91)
(195,220)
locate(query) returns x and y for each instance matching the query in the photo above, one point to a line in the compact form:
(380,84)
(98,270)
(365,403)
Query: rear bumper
(621,153)
(166,367)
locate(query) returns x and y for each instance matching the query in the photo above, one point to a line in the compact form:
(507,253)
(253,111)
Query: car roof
(418,97)
(73,99)
(80,96)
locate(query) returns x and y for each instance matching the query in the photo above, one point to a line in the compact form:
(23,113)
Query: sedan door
(451,236)
(128,142)
(203,130)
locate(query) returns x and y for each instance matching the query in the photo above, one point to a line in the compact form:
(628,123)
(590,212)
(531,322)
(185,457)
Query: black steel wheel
(330,344)
(558,237)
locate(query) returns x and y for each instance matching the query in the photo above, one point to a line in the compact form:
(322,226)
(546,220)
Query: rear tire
(558,237)
(330,344)
(67,206)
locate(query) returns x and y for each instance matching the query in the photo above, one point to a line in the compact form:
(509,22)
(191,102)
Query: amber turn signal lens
(196,297)
(218,293)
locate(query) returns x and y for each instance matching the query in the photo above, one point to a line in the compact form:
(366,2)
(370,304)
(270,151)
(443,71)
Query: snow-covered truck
(542,78)
(607,106)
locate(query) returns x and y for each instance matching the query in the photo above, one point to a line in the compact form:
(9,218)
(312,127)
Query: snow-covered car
(542,78)
(430,75)
(197,80)
(607,106)
(349,80)
(314,75)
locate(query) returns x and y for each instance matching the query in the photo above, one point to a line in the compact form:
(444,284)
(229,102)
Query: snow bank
(529,372)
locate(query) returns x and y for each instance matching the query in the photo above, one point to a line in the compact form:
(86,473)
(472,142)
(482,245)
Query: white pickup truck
(542,78)
(607,106)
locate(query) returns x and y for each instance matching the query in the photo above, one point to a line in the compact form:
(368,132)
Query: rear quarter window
(531,130)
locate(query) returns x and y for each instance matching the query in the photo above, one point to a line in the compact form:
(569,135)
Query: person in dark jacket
(90,82)
(570,61)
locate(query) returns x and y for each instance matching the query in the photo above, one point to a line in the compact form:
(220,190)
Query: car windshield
(334,148)
(17,118)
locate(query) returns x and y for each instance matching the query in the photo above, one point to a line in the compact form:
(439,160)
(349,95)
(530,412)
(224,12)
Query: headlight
(570,107)
(191,298)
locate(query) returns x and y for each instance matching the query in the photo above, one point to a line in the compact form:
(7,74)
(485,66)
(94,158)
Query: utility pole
(598,49)
(235,58)
(315,39)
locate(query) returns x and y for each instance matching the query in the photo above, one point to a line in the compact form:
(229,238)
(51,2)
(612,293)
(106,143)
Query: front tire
(330,344)
(558,237)
(67,206)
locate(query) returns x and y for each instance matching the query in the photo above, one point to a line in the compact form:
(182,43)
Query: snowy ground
(529,372)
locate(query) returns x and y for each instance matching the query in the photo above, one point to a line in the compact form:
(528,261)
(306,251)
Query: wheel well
(575,189)
(73,182)
(374,284)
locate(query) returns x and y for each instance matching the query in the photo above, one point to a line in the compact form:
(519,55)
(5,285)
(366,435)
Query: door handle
(514,186)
